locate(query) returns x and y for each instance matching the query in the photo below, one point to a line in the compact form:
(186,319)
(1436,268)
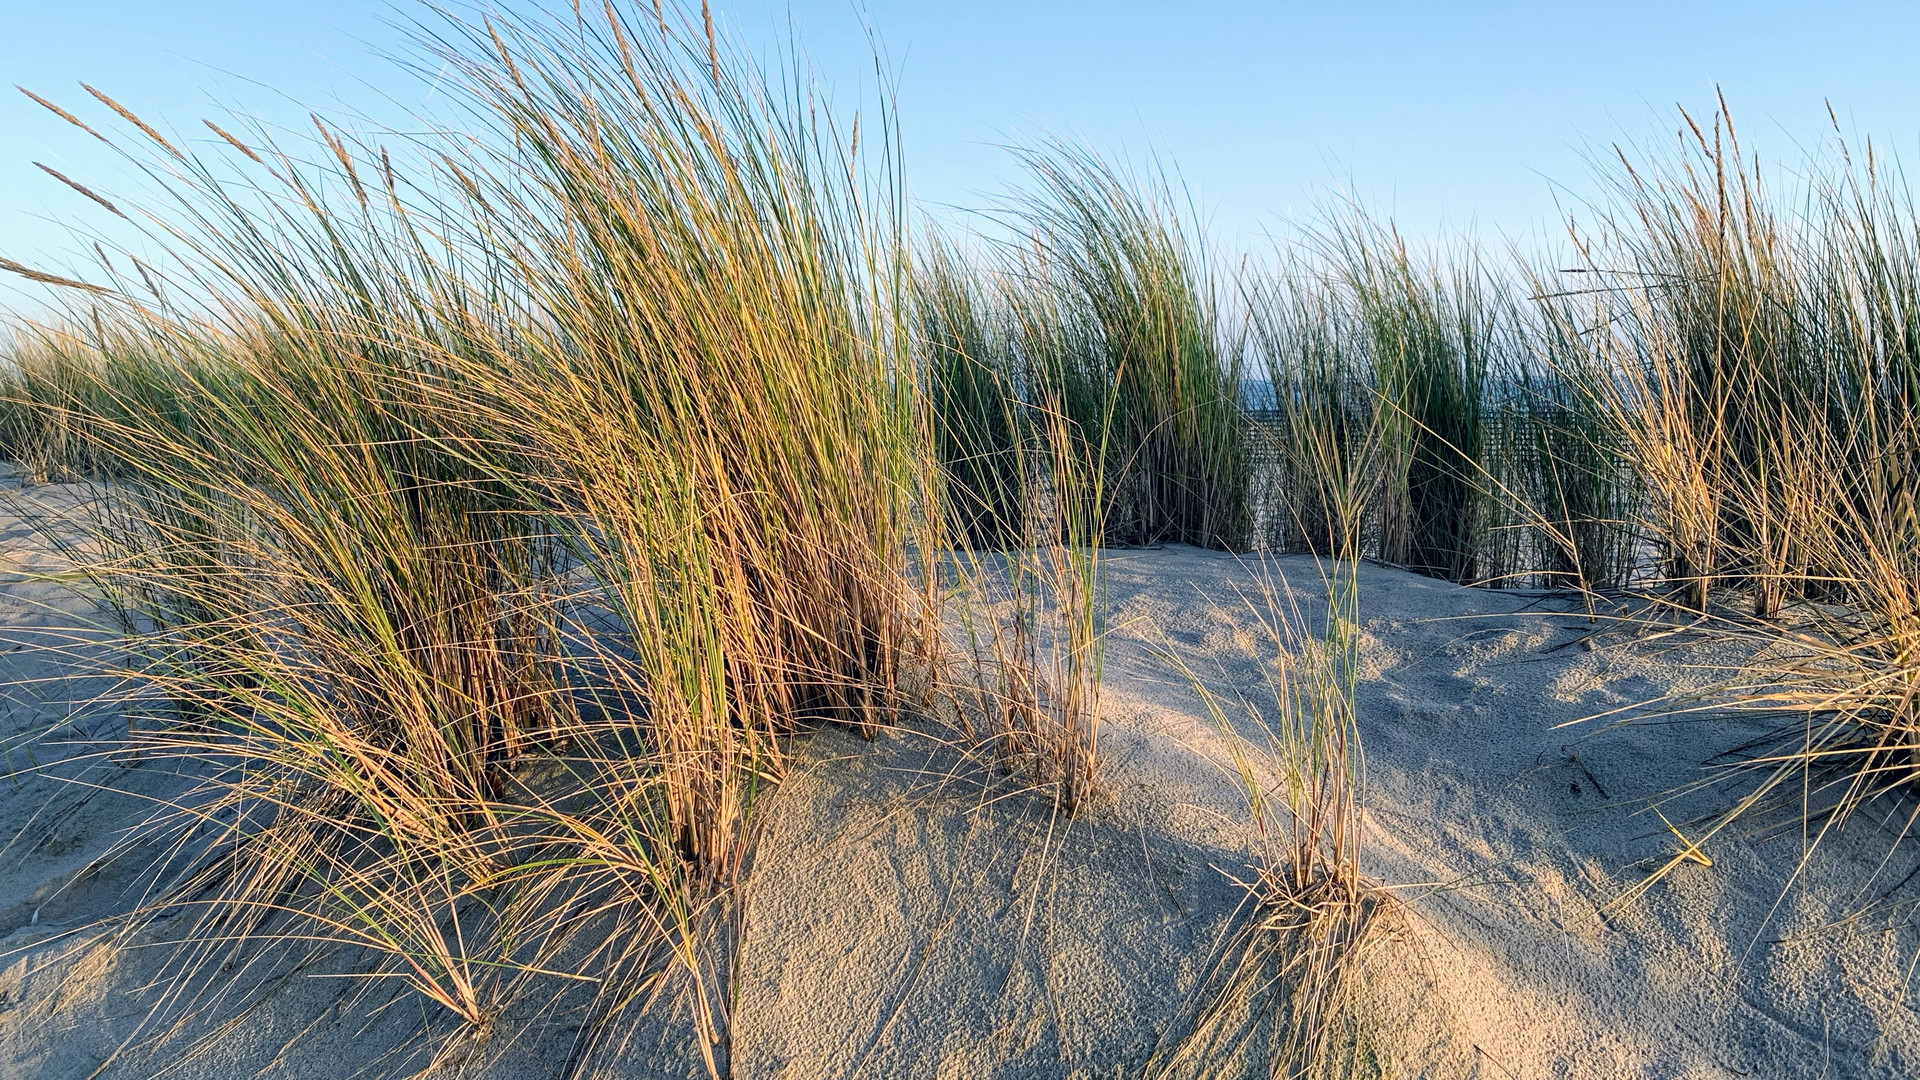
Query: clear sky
(1446,115)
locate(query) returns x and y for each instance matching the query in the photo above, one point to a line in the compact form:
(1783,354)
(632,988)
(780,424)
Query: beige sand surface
(907,915)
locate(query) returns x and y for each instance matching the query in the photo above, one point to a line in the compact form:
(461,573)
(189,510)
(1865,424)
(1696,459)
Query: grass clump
(1033,608)
(977,389)
(1379,369)
(1430,331)
(346,630)
(1127,347)
(498,520)
(1757,371)
(700,389)
(1717,316)
(1082,396)
(1320,412)
(1567,495)
(1285,990)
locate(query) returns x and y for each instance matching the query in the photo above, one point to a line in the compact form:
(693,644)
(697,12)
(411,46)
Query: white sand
(904,917)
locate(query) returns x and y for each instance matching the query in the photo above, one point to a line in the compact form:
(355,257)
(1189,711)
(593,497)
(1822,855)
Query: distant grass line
(1546,428)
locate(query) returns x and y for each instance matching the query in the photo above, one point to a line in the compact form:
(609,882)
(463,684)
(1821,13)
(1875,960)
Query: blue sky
(1448,116)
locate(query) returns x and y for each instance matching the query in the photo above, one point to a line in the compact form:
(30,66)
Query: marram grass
(493,519)
(499,522)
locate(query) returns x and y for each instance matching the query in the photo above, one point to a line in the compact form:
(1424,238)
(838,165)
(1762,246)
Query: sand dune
(909,915)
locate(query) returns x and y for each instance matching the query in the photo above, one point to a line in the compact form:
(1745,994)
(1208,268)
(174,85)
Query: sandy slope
(1506,835)
(907,916)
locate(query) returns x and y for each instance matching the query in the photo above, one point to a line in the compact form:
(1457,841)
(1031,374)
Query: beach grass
(541,474)
(491,522)
(1128,346)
